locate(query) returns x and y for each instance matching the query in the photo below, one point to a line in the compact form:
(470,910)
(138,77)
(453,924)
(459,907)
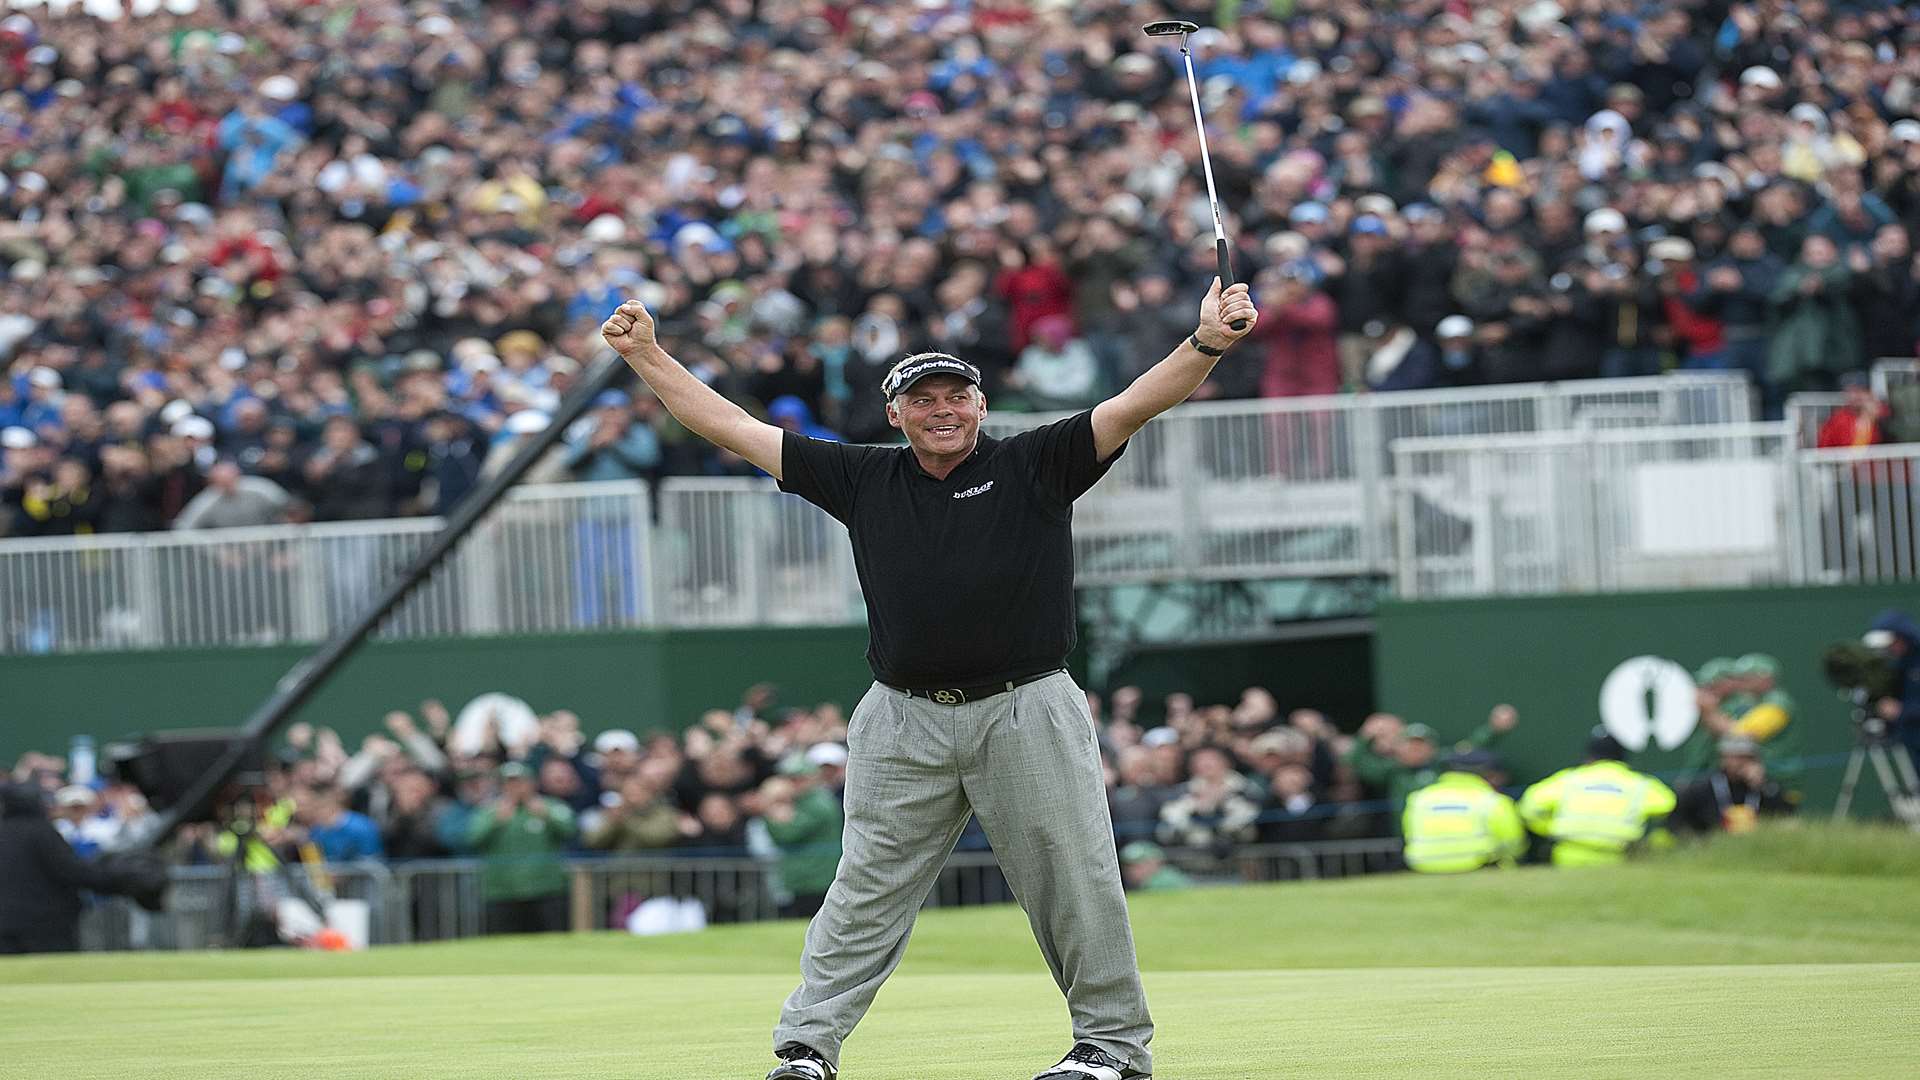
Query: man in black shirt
(964,547)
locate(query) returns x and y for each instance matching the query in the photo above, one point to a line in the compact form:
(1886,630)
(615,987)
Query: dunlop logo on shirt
(972,491)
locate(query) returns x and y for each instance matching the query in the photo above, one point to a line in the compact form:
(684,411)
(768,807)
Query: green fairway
(1689,967)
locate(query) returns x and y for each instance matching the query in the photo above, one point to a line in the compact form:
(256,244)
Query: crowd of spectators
(268,260)
(525,792)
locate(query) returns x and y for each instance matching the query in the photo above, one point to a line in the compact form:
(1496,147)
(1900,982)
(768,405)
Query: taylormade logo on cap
(914,368)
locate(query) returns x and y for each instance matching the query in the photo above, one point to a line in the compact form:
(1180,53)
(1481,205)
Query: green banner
(1446,662)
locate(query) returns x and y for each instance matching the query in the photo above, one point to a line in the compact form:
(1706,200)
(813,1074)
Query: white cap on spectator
(279,88)
(1375,203)
(1808,113)
(477,362)
(182,7)
(17,438)
(1764,77)
(1606,219)
(29,270)
(616,739)
(194,427)
(1454,326)
(827,754)
(175,411)
(1905,131)
(1160,736)
(606,229)
(44,377)
(435,25)
(527,422)
(1671,249)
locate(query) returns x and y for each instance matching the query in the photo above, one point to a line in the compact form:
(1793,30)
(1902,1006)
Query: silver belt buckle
(949,697)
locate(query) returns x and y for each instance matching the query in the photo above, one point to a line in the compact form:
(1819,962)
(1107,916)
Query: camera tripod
(1892,764)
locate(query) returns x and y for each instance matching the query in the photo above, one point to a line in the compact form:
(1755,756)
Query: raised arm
(1174,379)
(630,331)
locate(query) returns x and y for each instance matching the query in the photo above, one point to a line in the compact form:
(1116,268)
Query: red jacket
(1699,334)
(1034,292)
(1301,358)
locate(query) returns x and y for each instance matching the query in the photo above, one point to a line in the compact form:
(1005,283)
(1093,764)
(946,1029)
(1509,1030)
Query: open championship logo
(1649,698)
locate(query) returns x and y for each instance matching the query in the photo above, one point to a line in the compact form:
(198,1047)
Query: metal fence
(1595,510)
(1858,511)
(443,900)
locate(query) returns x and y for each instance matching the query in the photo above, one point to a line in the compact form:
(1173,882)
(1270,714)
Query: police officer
(1595,812)
(1460,822)
(964,547)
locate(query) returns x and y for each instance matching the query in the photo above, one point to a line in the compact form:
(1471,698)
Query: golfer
(965,553)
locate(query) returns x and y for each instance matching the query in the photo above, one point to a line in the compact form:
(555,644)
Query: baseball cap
(1905,131)
(1454,326)
(1764,77)
(798,765)
(827,755)
(1141,851)
(1369,225)
(1602,745)
(515,770)
(1739,744)
(1423,212)
(1470,760)
(1756,664)
(1672,249)
(1160,736)
(1307,212)
(1606,219)
(611,399)
(920,365)
(18,438)
(616,739)
(1712,671)
(1419,731)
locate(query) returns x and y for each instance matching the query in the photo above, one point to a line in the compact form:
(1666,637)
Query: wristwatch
(1194,340)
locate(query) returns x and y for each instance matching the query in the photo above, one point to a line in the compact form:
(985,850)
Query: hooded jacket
(40,890)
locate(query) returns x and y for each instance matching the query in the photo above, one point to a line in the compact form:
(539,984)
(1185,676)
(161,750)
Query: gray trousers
(1028,764)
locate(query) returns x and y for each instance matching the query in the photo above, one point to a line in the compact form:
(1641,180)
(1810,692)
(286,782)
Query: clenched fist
(629,329)
(1219,311)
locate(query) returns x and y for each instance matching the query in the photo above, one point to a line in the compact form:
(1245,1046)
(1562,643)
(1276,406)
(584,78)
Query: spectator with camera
(1733,797)
(522,835)
(1896,636)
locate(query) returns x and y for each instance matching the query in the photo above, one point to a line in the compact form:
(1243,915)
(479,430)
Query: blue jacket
(351,836)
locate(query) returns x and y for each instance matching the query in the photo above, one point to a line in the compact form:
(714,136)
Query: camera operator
(1897,637)
(40,890)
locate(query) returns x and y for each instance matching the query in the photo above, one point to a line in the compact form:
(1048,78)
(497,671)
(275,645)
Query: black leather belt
(960,695)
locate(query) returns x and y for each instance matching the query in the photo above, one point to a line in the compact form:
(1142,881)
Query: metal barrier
(1598,510)
(737,551)
(1807,413)
(443,900)
(1859,514)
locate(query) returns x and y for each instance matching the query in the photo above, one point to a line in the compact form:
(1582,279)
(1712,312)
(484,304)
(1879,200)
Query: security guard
(1459,822)
(1594,813)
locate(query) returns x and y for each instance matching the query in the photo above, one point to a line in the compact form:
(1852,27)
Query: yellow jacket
(1594,812)
(1460,823)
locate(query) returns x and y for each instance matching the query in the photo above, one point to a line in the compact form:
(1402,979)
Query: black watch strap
(1194,340)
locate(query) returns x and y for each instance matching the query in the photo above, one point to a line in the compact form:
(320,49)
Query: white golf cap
(1606,219)
(606,229)
(1672,249)
(279,88)
(827,755)
(17,438)
(1764,77)
(1454,326)
(616,738)
(1160,736)
(1808,113)
(44,377)
(1905,131)
(527,422)
(175,411)
(194,427)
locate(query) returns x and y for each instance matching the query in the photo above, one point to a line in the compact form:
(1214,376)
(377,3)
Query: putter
(1181,28)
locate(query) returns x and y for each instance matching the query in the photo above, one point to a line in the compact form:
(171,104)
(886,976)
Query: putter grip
(1226,274)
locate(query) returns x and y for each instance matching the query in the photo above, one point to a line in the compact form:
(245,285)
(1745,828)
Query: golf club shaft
(1206,167)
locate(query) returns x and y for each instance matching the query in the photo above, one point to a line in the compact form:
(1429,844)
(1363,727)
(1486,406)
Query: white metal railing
(1297,486)
(1859,514)
(1614,484)
(1725,506)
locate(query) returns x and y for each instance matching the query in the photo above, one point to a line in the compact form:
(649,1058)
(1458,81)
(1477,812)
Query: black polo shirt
(968,580)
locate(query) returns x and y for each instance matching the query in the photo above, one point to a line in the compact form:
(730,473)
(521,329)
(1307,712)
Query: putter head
(1169,27)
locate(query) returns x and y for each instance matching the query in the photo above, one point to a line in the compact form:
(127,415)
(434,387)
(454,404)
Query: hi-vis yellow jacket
(1460,823)
(1594,812)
